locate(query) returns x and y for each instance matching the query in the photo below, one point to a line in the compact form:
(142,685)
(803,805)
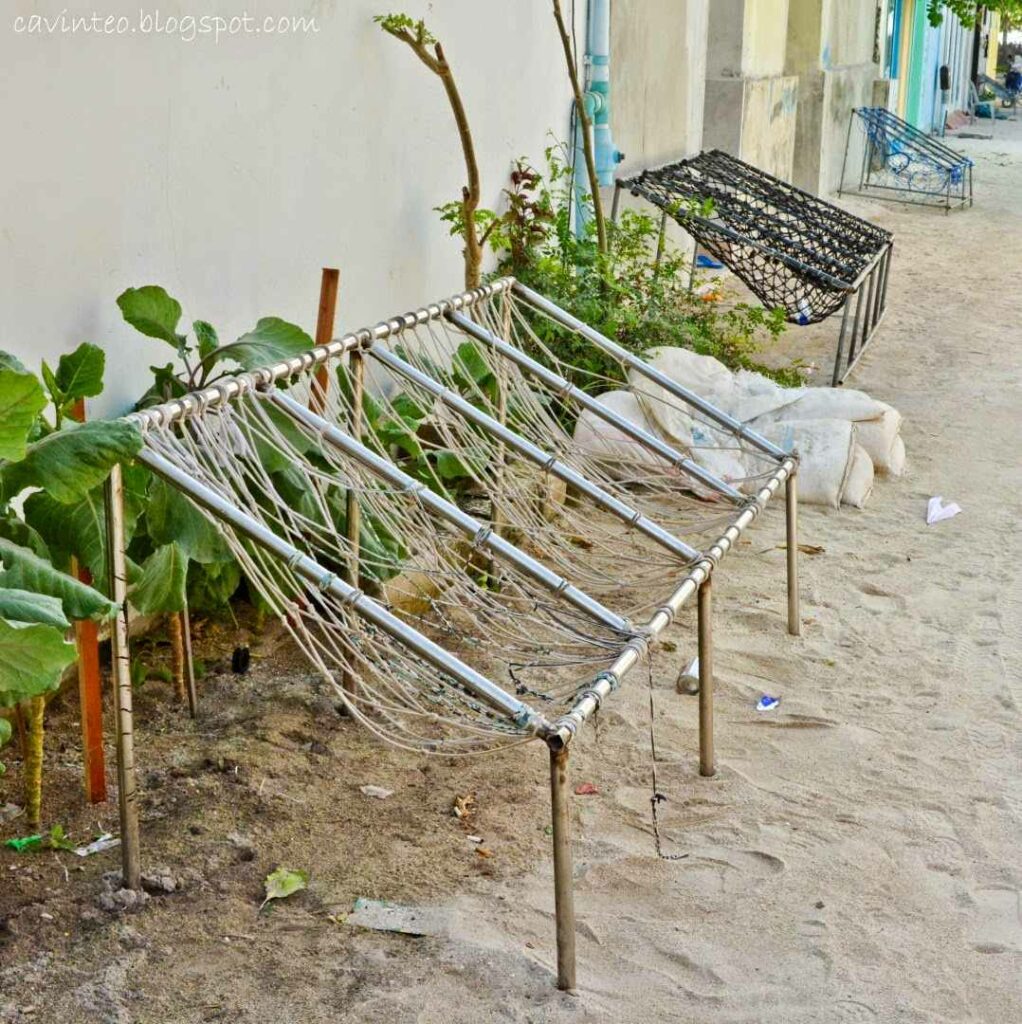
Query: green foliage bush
(629,295)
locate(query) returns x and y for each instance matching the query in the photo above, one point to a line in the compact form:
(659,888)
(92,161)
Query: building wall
(231,172)
(658,71)
(830,47)
(750,103)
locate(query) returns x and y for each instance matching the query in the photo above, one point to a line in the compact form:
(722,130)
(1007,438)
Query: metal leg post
(836,377)
(704,607)
(791,524)
(127,796)
(564,896)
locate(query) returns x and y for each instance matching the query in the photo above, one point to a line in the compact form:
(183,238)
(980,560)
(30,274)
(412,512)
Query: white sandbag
(859,482)
(881,437)
(618,452)
(683,427)
(827,457)
(896,465)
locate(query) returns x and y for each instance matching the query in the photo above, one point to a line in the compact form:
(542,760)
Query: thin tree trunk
(34,762)
(470,193)
(586,127)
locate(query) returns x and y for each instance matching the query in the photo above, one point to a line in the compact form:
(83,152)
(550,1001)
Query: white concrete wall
(830,48)
(231,172)
(750,108)
(658,74)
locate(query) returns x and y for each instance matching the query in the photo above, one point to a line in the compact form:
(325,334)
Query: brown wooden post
(328,287)
(90,685)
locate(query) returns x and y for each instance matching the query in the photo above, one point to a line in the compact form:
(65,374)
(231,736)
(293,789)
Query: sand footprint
(999,928)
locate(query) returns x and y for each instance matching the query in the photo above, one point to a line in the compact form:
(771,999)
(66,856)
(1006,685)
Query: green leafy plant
(967,11)
(633,296)
(183,561)
(51,510)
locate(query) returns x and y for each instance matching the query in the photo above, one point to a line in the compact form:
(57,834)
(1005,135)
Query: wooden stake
(328,287)
(90,685)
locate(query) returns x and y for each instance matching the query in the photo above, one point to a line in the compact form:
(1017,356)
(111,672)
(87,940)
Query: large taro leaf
(153,312)
(24,570)
(161,586)
(18,532)
(33,659)
(21,400)
(68,463)
(172,519)
(79,529)
(80,373)
(24,606)
(210,587)
(270,341)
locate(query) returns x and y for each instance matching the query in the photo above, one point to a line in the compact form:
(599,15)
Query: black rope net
(899,156)
(794,251)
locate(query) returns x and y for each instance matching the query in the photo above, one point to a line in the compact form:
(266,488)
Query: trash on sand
(381,916)
(484,852)
(474,839)
(937,511)
(688,678)
(586,789)
(464,806)
(768,703)
(105,842)
(376,791)
(284,882)
(24,843)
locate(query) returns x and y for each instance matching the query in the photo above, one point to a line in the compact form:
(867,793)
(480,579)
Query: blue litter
(767,703)
(708,262)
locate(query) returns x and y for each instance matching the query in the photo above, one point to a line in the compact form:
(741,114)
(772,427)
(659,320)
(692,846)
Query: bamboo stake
(564,899)
(127,796)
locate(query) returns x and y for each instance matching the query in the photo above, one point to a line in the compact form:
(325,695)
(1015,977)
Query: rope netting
(795,252)
(486,612)
(540,564)
(901,157)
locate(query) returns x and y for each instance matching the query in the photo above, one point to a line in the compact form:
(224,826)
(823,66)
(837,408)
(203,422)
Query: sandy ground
(855,859)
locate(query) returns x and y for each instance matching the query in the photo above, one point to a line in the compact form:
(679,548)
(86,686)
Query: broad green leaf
(269,342)
(161,587)
(25,606)
(9,362)
(284,882)
(172,519)
(271,456)
(50,380)
(33,659)
(21,400)
(166,385)
(5,733)
(450,466)
(80,373)
(210,587)
(78,529)
(24,570)
(207,338)
(20,533)
(69,463)
(153,312)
